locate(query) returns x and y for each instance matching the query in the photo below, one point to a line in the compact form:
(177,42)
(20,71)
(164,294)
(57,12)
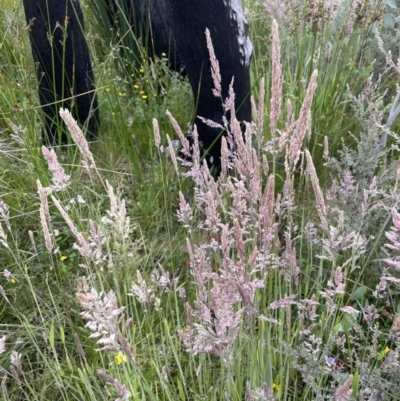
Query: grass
(278,282)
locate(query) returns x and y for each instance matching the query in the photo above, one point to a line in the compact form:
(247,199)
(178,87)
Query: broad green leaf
(347,324)
(388,20)
(359,293)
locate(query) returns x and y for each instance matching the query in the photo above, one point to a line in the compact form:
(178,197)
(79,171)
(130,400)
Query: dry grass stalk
(45,215)
(277,80)
(116,384)
(157,137)
(303,123)
(319,196)
(83,247)
(172,154)
(79,139)
(267,209)
(215,72)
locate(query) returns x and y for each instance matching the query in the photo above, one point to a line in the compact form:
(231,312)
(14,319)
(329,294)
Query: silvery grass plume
(340,16)
(78,137)
(116,384)
(236,215)
(277,82)
(104,320)
(218,323)
(343,393)
(15,371)
(275,9)
(308,316)
(395,329)
(215,71)
(335,287)
(303,123)
(4,387)
(163,280)
(319,196)
(289,139)
(115,225)
(59,178)
(3,237)
(293,136)
(44,213)
(157,137)
(117,217)
(92,249)
(144,293)
(263,393)
(148,292)
(81,245)
(5,214)
(393,236)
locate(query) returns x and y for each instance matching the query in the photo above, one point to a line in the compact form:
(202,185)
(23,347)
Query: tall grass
(127,276)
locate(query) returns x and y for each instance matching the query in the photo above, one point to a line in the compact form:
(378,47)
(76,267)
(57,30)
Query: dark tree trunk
(148,20)
(229,33)
(64,70)
(163,40)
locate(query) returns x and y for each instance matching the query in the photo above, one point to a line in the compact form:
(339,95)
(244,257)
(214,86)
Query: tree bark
(229,33)
(64,70)
(148,21)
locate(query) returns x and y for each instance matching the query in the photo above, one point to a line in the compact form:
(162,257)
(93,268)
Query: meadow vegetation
(130,273)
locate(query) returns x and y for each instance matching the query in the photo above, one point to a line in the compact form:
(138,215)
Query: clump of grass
(265,284)
(250,241)
(332,37)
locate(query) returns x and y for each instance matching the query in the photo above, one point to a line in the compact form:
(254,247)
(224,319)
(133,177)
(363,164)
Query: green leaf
(343,326)
(392,3)
(355,384)
(62,334)
(388,20)
(338,328)
(347,324)
(359,293)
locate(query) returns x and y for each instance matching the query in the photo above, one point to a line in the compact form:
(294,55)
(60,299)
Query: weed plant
(130,273)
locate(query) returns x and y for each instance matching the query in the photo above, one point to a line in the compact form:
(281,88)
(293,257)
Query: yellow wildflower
(382,353)
(136,86)
(12,280)
(144,97)
(120,358)
(63,258)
